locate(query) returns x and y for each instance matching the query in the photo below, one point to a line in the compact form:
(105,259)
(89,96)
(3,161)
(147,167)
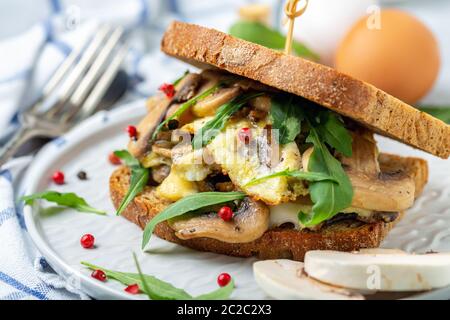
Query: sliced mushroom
(157,110)
(209,105)
(261,103)
(153,101)
(186,90)
(181,149)
(187,87)
(287,280)
(249,223)
(364,159)
(225,186)
(160,173)
(373,189)
(146,127)
(386,193)
(210,79)
(162,151)
(164,136)
(189,163)
(257,115)
(377,216)
(184,118)
(204,186)
(247,84)
(214,76)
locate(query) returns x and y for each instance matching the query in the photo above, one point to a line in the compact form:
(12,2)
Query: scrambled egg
(175,186)
(191,165)
(196,125)
(244,163)
(153,160)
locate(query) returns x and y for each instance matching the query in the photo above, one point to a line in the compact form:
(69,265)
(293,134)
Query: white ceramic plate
(57,233)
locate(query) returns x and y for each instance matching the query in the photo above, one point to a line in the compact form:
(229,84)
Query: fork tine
(77,72)
(93,74)
(94,98)
(56,78)
(62,71)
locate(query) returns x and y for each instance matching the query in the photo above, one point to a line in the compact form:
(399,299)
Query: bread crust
(377,110)
(275,243)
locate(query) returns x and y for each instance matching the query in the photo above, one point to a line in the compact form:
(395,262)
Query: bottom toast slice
(346,235)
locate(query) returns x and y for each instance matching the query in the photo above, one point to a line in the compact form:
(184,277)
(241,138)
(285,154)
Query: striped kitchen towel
(41,34)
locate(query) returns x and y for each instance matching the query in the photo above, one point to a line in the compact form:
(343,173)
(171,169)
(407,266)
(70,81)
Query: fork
(74,91)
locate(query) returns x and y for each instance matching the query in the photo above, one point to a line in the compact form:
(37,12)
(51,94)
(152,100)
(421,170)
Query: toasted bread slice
(275,243)
(377,110)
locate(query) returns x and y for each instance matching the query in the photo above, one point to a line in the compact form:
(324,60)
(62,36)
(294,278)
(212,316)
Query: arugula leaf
(328,197)
(184,107)
(335,134)
(157,289)
(70,200)
(286,116)
(210,130)
(138,179)
(187,204)
(129,160)
(301,175)
(145,285)
(222,293)
(259,33)
(442,113)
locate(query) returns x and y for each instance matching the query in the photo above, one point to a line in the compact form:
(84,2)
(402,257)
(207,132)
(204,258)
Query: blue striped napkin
(48,33)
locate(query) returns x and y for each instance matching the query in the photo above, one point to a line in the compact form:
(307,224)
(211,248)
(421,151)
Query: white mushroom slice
(153,101)
(209,105)
(249,223)
(364,157)
(373,189)
(386,193)
(157,110)
(380,271)
(162,151)
(286,280)
(146,127)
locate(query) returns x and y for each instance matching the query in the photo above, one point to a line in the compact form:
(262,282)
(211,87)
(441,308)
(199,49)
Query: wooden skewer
(291,12)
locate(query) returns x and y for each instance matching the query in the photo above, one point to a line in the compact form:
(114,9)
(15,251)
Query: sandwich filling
(297,164)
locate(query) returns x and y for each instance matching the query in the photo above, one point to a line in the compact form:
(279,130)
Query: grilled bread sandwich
(269,155)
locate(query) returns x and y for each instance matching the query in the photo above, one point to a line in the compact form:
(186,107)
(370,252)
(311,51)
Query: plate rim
(87,285)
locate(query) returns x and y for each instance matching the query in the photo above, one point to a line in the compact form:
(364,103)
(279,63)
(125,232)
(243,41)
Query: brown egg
(401,57)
